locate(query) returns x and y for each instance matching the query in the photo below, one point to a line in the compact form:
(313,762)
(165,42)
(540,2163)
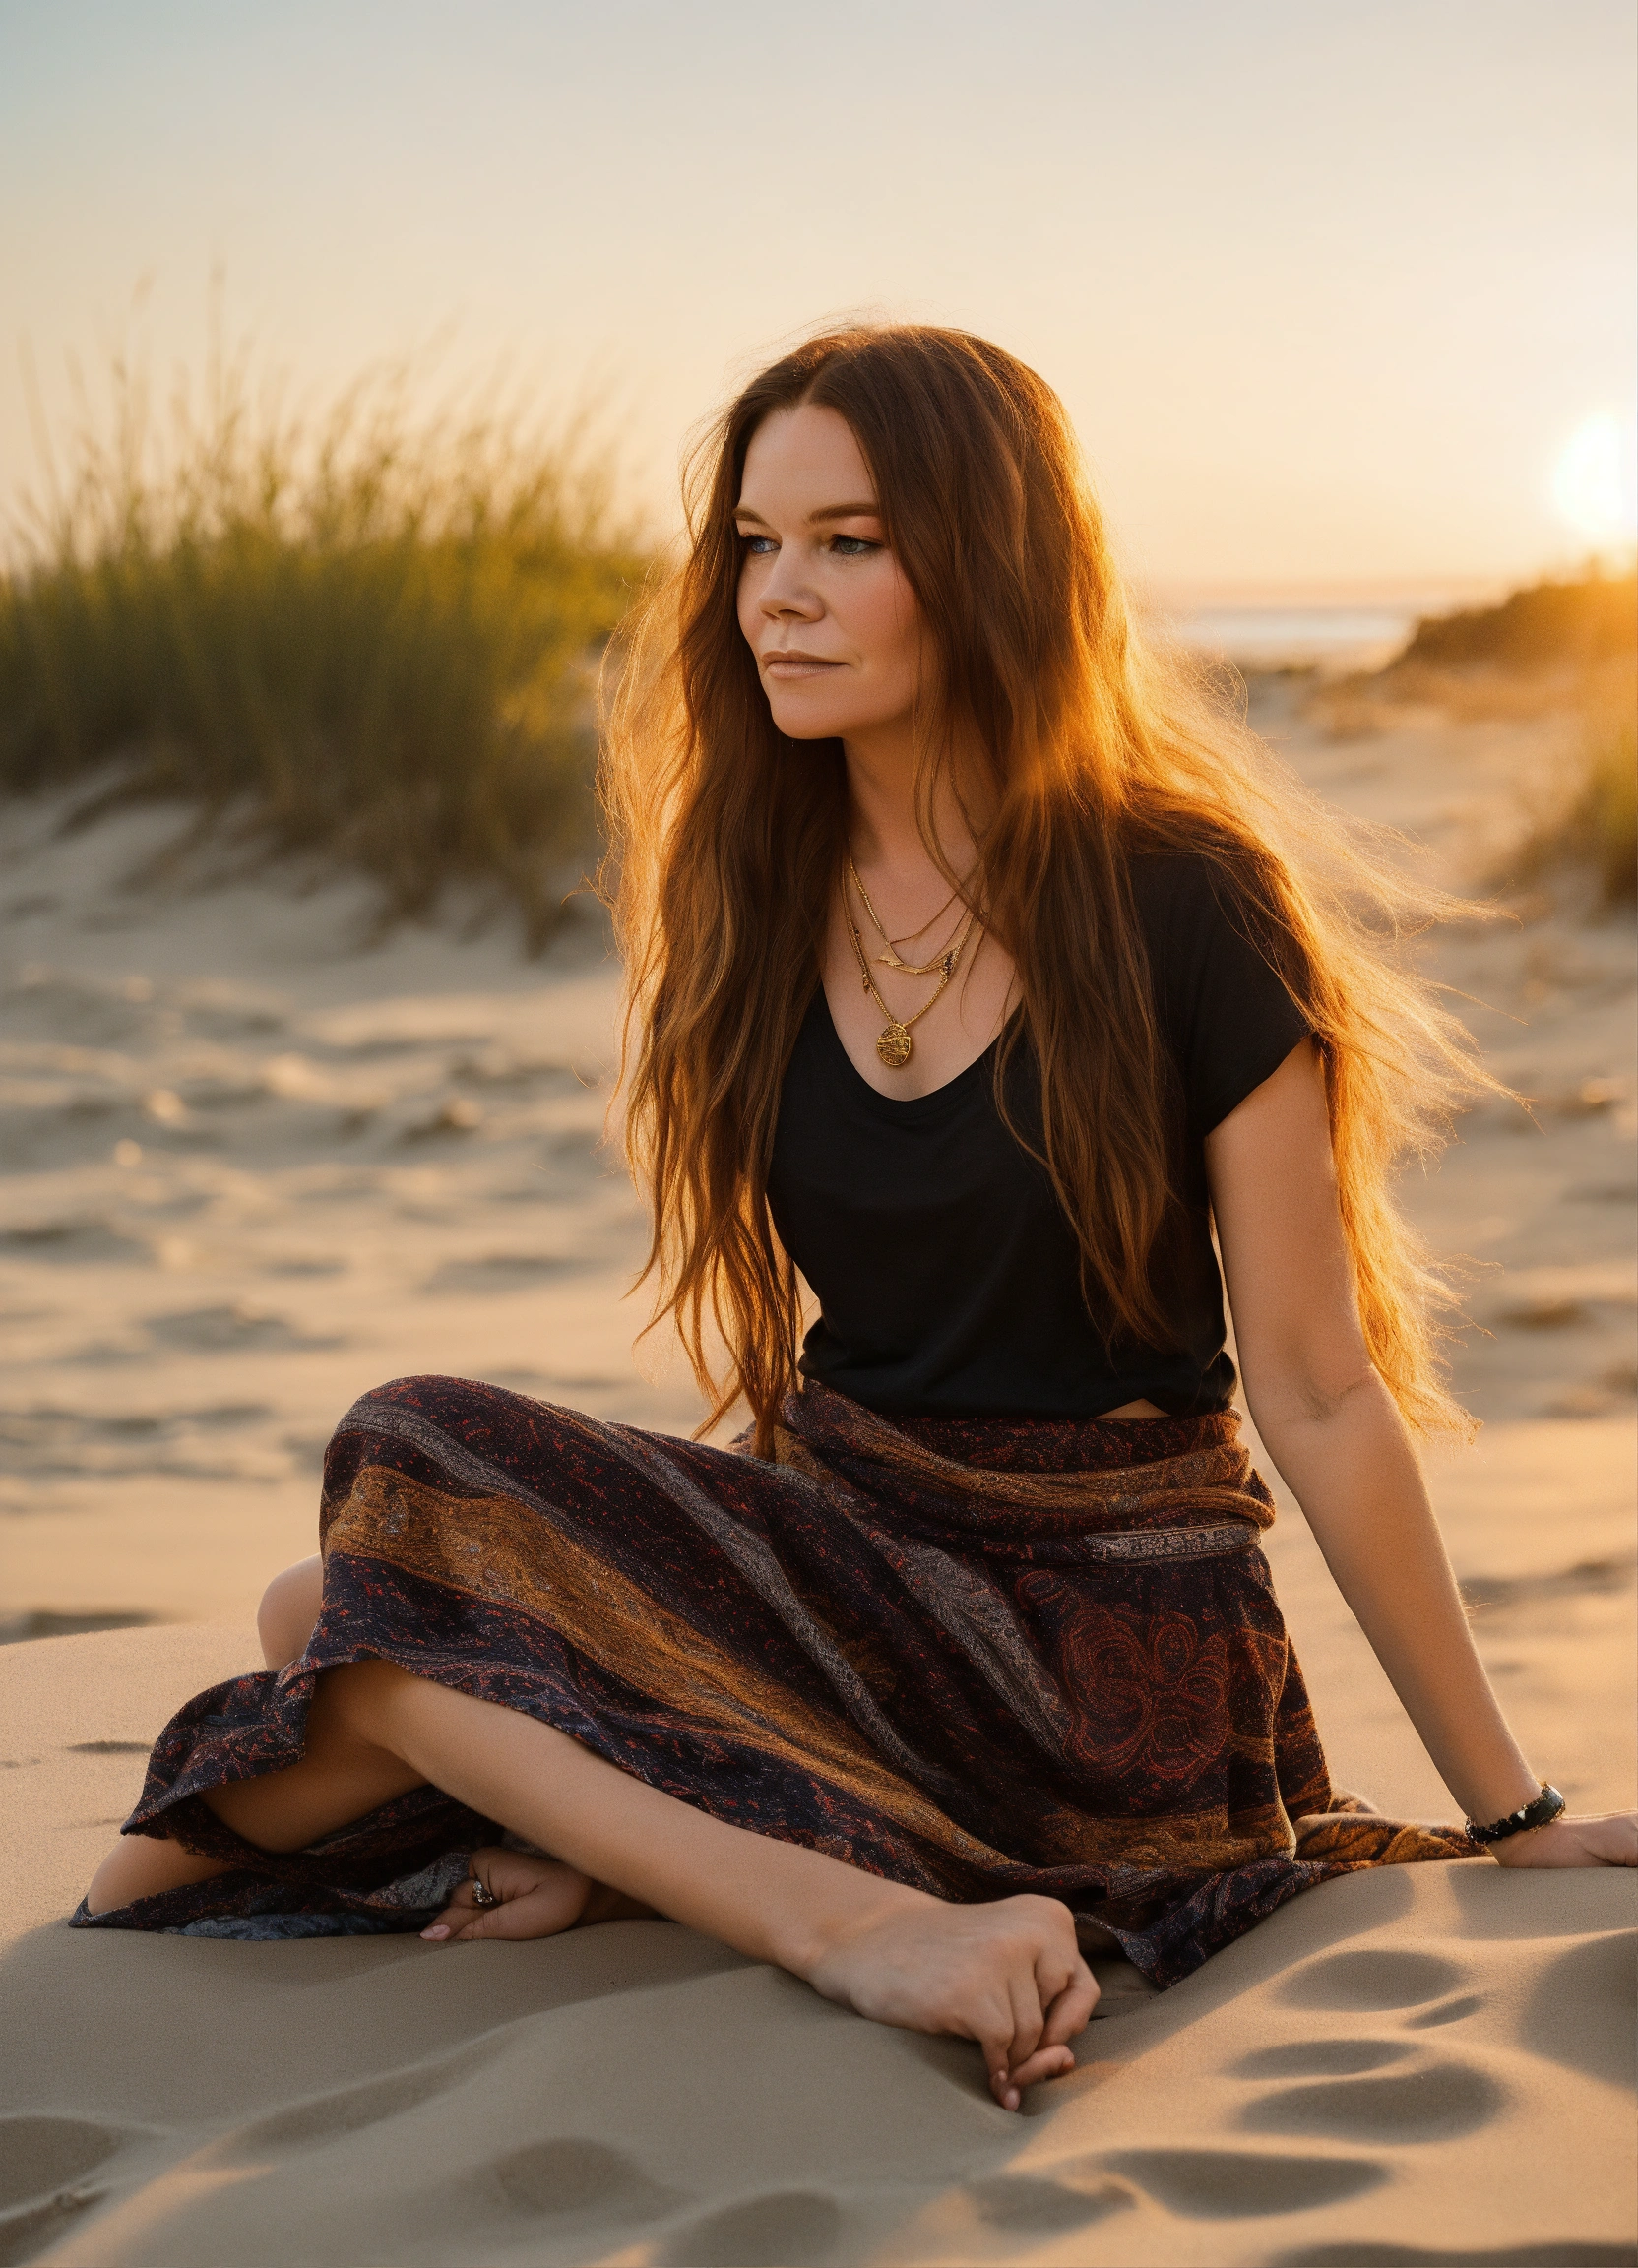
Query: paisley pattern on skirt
(978,1656)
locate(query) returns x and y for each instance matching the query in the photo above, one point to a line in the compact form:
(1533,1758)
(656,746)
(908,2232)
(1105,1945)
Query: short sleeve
(1228,1018)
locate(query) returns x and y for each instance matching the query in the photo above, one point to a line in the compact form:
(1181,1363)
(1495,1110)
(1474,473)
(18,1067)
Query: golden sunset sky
(1340,293)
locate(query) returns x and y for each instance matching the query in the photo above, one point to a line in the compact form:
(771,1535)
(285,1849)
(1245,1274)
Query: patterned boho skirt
(978,1656)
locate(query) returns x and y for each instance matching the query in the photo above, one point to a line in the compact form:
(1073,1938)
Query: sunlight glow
(1595,482)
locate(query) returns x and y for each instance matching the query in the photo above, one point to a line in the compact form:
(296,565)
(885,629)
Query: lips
(787,659)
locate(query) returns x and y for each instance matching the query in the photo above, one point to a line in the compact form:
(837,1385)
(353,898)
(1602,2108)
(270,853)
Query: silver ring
(482,1895)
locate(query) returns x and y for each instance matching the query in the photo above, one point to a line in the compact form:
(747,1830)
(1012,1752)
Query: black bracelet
(1547,1805)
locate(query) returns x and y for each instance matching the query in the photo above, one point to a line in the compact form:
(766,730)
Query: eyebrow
(871,511)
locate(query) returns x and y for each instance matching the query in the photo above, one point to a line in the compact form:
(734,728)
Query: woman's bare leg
(289,1607)
(1007,1975)
(140,1865)
(341,1776)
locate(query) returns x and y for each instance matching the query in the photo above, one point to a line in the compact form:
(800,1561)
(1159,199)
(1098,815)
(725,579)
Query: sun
(1595,482)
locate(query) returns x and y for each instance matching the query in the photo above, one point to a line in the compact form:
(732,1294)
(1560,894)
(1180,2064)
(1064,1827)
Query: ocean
(1271,637)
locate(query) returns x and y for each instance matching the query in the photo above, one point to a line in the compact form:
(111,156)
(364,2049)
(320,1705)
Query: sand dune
(257,1162)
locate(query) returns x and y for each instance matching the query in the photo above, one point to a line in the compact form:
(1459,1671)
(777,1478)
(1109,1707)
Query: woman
(974,972)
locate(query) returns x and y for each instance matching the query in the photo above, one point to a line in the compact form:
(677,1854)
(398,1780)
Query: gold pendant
(895,1047)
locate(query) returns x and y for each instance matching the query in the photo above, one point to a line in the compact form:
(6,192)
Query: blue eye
(854,547)
(759,543)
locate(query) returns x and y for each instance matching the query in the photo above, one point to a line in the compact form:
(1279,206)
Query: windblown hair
(726,840)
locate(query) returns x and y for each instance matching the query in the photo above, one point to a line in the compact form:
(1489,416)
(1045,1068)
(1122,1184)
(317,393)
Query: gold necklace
(894,1045)
(890,959)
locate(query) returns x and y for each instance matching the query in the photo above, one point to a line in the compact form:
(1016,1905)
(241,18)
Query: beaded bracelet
(1547,1805)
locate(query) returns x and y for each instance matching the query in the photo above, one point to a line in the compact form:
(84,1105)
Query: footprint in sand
(561,2178)
(1354,2096)
(322,2118)
(1321,2059)
(1244,2185)
(572,2175)
(1447,2012)
(1437,2100)
(792,2229)
(544,2191)
(44,2163)
(39,2155)
(1038,2205)
(1371,1977)
(1581,2012)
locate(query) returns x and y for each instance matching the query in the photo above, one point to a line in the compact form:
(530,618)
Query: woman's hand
(1009,1976)
(1607,1839)
(539,1898)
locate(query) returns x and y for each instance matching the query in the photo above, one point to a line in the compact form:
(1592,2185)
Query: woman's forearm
(1355,1475)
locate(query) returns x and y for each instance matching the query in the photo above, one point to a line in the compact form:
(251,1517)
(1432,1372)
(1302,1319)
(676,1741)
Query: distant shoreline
(1354,637)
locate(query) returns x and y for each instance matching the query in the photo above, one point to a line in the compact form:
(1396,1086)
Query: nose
(785,597)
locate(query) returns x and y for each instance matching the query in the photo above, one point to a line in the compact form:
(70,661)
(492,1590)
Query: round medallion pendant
(895,1046)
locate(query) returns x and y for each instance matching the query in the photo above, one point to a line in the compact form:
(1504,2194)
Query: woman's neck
(884,828)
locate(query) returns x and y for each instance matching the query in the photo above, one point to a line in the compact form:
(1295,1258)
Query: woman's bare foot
(1008,1975)
(539,1898)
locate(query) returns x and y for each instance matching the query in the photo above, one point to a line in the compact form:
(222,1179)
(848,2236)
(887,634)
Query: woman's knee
(288,1611)
(358,1704)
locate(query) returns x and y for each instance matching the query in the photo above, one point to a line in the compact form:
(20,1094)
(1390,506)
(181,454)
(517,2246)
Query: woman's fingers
(1029,2015)
(514,1920)
(535,1898)
(1606,1839)
(1044,2063)
(1049,2011)
(1007,2023)
(456,1914)
(997,2055)
(1069,2009)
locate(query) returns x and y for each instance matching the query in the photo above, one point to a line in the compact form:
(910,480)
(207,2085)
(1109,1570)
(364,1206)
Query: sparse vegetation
(369,636)
(1594,827)
(1547,627)
(1566,648)
(1554,646)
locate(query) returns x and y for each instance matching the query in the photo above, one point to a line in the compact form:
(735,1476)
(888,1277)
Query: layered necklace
(895,1046)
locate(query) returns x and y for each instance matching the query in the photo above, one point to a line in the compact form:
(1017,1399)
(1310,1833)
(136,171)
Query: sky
(1335,292)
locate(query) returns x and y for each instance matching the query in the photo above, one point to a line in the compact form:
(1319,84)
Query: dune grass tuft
(1593,827)
(369,636)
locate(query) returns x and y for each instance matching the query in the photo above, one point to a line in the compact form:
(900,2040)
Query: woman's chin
(818,720)
(802,725)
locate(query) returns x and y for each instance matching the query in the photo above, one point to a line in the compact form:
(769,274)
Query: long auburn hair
(725,841)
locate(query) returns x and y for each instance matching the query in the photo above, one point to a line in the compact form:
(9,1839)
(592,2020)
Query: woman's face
(825,606)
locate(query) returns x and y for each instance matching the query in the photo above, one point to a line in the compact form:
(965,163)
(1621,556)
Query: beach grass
(1591,827)
(369,635)
(1562,647)
(1570,642)
(1561,622)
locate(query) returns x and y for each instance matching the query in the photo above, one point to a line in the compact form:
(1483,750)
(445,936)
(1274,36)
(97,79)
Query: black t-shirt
(947,1274)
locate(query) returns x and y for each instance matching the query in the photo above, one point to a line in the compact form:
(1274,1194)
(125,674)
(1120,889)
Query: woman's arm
(1334,1431)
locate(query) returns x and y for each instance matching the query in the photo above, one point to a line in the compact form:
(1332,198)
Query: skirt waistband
(1194,1496)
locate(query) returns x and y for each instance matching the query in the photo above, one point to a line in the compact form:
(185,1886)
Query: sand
(256,1162)
(1428,2061)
